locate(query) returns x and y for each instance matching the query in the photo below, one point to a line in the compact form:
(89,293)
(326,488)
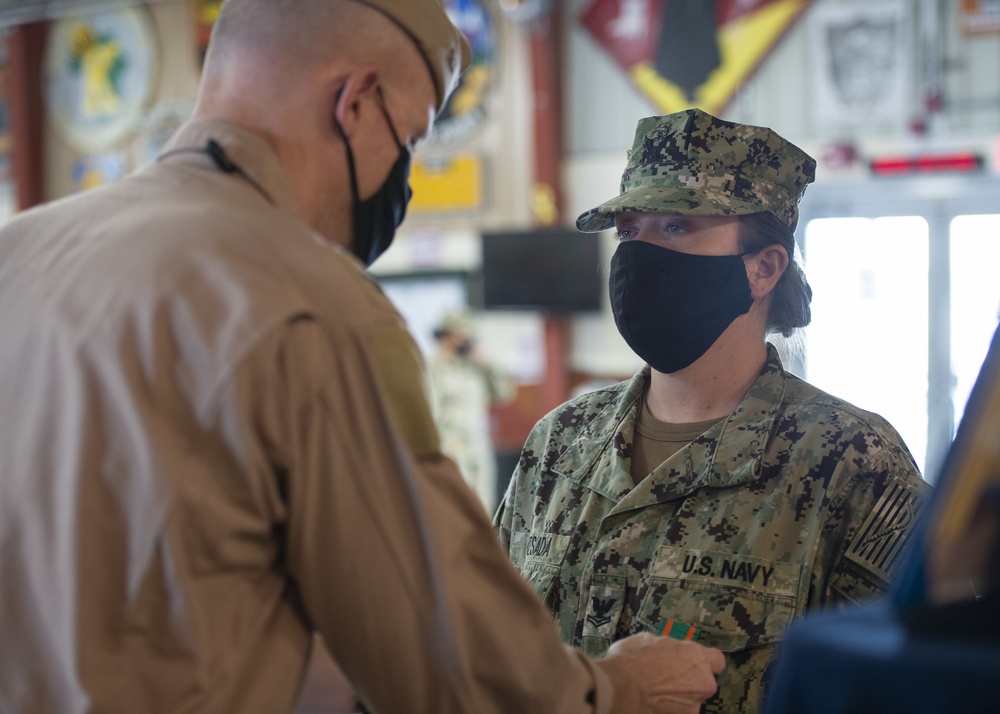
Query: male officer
(713,494)
(213,435)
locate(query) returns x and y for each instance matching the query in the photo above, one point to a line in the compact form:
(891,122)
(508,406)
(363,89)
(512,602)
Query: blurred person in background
(214,438)
(714,495)
(464,384)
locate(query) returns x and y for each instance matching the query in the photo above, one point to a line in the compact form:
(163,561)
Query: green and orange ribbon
(678,630)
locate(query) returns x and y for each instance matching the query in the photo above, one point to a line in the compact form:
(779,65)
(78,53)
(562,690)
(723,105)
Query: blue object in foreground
(868,659)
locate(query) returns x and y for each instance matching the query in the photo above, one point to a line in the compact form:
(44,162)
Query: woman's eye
(673,228)
(625,233)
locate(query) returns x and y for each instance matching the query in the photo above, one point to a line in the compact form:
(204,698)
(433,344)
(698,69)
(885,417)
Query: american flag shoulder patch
(884,535)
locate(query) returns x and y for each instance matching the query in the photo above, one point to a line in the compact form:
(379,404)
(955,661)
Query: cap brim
(665,199)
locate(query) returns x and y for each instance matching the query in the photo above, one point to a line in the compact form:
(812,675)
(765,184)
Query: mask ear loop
(347,147)
(388,119)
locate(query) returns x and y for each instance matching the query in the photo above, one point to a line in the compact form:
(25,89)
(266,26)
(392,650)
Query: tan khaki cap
(455,322)
(444,47)
(692,163)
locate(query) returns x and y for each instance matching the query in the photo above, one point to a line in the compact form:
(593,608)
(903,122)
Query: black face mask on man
(671,307)
(377,217)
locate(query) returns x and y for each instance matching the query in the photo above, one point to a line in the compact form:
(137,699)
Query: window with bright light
(975,298)
(868,339)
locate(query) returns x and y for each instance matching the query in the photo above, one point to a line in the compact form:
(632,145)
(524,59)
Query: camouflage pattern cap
(444,47)
(692,163)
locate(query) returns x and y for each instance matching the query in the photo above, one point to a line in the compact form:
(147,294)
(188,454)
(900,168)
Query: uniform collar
(245,149)
(728,454)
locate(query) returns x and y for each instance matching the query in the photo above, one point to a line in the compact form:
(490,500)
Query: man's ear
(348,106)
(765,269)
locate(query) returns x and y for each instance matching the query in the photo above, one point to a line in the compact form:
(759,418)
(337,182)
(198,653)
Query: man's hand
(659,674)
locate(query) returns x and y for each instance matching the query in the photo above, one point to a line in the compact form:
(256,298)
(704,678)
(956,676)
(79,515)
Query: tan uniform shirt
(214,438)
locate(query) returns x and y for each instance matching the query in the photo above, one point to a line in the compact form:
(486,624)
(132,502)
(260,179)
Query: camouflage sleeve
(501,387)
(520,481)
(868,530)
(502,518)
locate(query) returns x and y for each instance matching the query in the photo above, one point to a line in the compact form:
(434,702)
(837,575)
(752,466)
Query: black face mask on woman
(671,307)
(377,217)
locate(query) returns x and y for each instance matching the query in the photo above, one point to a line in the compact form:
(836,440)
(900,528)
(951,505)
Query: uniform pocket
(542,578)
(738,602)
(730,619)
(539,557)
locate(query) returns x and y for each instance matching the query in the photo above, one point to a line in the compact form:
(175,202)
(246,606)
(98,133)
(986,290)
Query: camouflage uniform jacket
(796,500)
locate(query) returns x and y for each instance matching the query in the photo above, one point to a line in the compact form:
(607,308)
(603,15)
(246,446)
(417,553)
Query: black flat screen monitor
(547,270)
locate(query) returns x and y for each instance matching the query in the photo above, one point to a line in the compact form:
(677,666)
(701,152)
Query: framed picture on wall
(862,60)
(979,17)
(99,74)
